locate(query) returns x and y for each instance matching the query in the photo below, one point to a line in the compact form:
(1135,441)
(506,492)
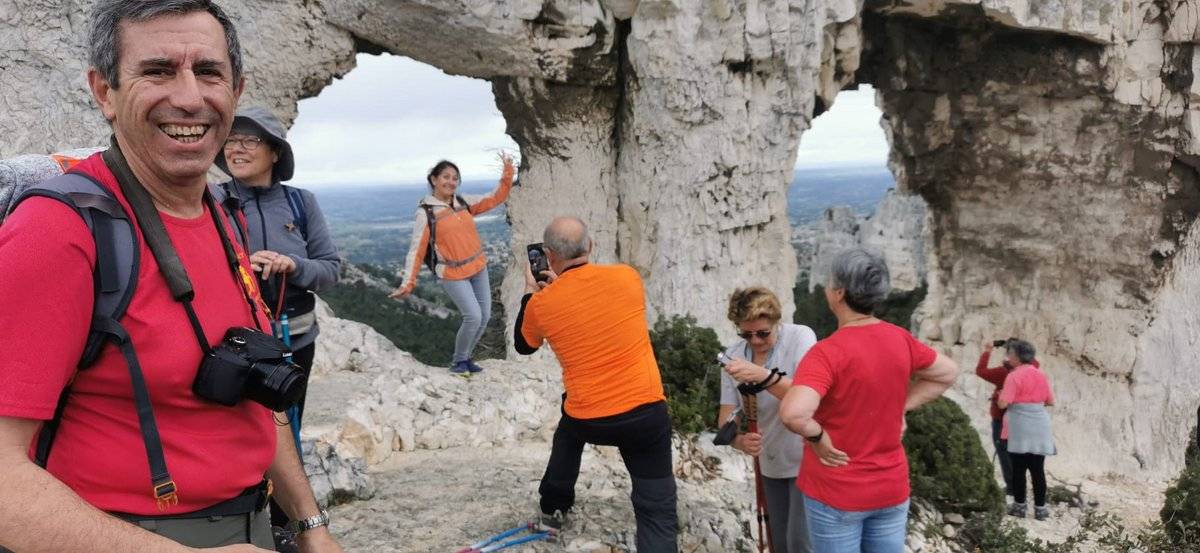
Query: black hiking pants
(1036,465)
(643,436)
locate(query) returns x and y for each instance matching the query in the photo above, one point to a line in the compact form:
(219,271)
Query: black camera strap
(154,232)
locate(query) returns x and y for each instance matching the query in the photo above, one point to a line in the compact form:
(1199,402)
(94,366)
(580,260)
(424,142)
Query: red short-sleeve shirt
(862,374)
(213,452)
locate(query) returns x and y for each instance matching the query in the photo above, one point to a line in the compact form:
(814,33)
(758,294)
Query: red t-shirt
(213,452)
(862,374)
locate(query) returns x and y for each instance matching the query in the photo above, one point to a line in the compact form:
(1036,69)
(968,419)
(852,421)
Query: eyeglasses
(250,143)
(761,334)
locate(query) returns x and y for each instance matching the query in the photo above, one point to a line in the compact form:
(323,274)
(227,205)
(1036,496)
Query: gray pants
(253,528)
(785,505)
(473,297)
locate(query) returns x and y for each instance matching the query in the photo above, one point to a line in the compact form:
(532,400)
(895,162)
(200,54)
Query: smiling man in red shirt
(167,76)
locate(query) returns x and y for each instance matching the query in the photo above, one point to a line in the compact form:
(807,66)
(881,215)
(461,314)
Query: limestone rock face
(1052,218)
(290,53)
(897,230)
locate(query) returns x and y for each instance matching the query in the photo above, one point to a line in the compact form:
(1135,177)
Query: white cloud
(391,118)
(849,133)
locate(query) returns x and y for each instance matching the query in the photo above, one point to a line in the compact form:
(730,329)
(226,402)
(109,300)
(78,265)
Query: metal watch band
(316,521)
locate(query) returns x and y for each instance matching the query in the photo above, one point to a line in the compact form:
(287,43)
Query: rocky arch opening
(1020,129)
(844,195)
(1049,155)
(365,145)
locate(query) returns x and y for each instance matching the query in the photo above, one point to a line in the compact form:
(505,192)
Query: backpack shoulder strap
(115,275)
(430,251)
(296,201)
(231,203)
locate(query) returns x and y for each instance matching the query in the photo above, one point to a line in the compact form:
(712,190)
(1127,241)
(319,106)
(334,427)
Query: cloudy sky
(392,118)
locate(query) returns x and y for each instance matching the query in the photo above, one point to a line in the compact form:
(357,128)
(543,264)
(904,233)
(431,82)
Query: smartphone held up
(538,263)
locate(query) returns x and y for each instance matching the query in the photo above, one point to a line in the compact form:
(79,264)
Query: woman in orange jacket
(457,256)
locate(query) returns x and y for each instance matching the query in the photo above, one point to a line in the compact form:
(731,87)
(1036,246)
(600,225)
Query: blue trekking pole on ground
(285,334)
(496,543)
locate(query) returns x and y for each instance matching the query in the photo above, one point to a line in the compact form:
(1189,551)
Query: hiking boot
(1041,513)
(473,367)
(1017,509)
(461,368)
(555,520)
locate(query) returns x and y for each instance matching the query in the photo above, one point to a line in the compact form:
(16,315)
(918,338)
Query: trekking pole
(285,334)
(493,543)
(764,518)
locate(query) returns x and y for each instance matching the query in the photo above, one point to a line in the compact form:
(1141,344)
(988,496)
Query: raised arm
(482,204)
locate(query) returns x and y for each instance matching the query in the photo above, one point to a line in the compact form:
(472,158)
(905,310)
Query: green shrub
(991,533)
(946,462)
(687,359)
(1180,513)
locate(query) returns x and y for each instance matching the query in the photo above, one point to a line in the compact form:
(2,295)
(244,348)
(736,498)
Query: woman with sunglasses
(767,355)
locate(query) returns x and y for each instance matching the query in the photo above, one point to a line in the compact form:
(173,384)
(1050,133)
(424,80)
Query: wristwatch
(817,438)
(300,526)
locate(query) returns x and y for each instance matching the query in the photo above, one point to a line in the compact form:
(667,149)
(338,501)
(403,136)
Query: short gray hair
(104,41)
(864,277)
(565,245)
(1024,351)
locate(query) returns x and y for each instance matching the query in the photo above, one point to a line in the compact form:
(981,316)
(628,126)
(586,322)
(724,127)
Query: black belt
(252,500)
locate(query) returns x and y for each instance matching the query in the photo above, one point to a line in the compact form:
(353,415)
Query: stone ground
(1134,502)
(472,463)
(443,500)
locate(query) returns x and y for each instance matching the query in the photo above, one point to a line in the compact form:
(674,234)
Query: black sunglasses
(761,334)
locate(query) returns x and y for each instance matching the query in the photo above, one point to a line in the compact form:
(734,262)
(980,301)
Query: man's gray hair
(1024,351)
(864,277)
(104,40)
(567,245)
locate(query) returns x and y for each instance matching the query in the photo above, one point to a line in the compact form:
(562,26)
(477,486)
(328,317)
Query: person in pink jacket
(1025,396)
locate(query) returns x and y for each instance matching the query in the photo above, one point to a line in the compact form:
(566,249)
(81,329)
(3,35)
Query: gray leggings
(473,296)
(785,505)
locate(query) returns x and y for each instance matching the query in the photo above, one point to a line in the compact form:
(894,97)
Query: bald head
(567,238)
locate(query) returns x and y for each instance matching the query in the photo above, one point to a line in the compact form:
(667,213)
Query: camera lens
(276,385)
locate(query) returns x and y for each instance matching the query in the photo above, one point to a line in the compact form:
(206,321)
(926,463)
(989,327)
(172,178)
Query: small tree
(687,359)
(947,464)
(1180,513)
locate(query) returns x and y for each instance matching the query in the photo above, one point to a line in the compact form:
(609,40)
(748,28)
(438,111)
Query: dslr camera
(252,365)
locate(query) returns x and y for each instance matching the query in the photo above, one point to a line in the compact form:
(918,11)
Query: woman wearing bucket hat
(283,226)
(445,239)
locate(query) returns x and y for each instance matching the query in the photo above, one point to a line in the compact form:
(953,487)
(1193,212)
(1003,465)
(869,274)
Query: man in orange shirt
(594,317)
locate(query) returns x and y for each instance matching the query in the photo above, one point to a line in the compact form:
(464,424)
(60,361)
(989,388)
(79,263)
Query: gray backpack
(117,250)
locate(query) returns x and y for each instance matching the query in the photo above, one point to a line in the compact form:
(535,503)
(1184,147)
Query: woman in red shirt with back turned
(848,401)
